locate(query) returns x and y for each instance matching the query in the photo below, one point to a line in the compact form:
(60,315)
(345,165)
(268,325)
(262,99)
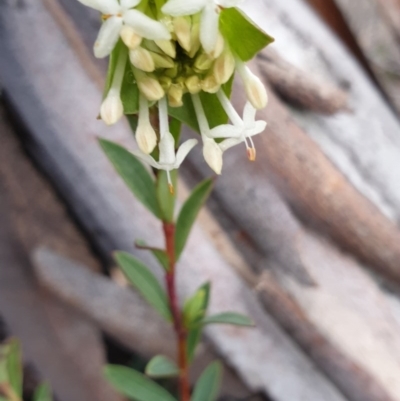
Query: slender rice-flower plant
(172,62)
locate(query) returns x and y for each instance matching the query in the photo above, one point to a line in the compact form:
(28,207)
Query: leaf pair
(138,387)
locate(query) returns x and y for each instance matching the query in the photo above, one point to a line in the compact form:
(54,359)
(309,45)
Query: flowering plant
(173,62)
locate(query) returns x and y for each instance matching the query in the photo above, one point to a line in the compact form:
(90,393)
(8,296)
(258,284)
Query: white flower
(209,22)
(243,129)
(116,15)
(112,108)
(168,160)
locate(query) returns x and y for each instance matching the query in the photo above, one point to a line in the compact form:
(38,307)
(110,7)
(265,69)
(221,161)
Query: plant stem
(181,333)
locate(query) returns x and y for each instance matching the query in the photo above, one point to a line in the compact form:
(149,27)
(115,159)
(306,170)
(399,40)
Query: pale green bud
(167,46)
(224,66)
(146,137)
(182,28)
(219,47)
(212,154)
(165,82)
(131,39)
(141,58)
(172,72)
(203,62)
(193,84)
(210,85)
(194,40)
(149,86)
(175,94)
(161,61)
(112,108)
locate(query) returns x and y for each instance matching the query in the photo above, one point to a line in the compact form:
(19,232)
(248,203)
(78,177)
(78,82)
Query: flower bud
(112,108)
(131,39)
(210,85)
(212,154)
(141,58)
(224,66)
(182,28)
(167,46)
(165,82)
(193,84)
(146,137)
(161,61)
(175,94)
(203,62)
(172,72)
(150,88)
(219,47)
(194,40)
(255,90)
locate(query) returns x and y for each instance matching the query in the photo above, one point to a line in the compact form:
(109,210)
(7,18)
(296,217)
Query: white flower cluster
(176,48)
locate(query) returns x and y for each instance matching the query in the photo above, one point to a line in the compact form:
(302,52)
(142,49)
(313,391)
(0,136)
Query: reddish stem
(181,333)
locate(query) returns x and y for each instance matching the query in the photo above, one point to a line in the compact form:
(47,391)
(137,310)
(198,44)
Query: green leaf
(166,199)
(159,254)
(195,307)
(42,393)
(207,387)
(212,108)
(161,366)
(135,175)
(134,385)
(193,339)
(189,212)
(194,334)
(233,318)
(14,365)
(244,37)
(144,281)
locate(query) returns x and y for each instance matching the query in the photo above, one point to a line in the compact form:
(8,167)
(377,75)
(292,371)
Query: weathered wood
(62,127)
(378,40)
(37,217)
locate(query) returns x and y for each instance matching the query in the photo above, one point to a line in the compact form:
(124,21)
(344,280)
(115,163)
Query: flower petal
(177,8)
(108,37)
(249,114)
(145,26)
(209,27)
(183,151)
(167,149)
(229,143)
(127,4)
(107,7)
(147,159)
(225,131)
(259,127)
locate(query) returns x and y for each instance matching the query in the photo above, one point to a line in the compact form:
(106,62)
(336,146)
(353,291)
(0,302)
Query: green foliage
(244,37)
(42,393)
(159,254)
(233,318)
(144,281)
(212,107)
(135,385)
(194,311)
(11,366)
(195,307)
(166,199)
(189,212)
(207,387)
(161,366)
(135,175)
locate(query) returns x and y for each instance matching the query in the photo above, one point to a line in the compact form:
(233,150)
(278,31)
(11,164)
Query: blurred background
(305,240)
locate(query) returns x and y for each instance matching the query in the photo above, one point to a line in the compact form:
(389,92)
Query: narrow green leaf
(14,366)
(159,254)
(144,281)
(233,318)
(135,385)
(193,339)
(42,393)
(166,199)
(207,387)
(195,307)
(161,366)
(132,171)
(189,212)
(244,37)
